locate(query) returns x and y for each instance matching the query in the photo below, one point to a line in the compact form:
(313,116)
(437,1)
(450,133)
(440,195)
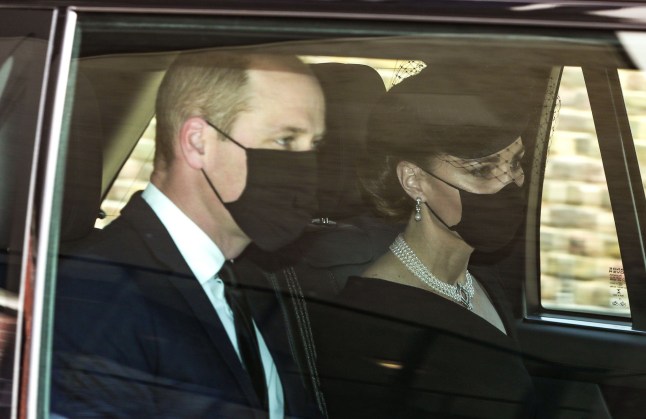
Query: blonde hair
(209,84)
(204,84)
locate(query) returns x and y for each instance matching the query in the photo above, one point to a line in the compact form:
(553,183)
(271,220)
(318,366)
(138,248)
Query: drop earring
(418,209)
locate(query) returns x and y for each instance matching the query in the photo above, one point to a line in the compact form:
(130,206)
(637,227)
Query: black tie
(245,332)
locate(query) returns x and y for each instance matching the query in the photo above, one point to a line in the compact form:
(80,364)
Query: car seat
(346,236)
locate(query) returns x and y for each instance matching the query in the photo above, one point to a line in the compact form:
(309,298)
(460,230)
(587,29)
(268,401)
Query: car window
(581,268)
(633,83)
(375,257)
(133,176)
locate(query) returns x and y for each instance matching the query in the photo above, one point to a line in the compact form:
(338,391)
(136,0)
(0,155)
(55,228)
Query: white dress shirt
(205,259)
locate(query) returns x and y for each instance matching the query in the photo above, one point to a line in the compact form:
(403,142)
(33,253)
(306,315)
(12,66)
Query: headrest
(350,91)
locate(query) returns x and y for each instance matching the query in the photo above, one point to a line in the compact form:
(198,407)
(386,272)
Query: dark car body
(77,88)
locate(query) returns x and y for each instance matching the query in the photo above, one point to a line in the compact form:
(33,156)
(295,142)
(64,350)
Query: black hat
(467,111)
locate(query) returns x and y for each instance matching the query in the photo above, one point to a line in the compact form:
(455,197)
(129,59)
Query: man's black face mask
(279,198)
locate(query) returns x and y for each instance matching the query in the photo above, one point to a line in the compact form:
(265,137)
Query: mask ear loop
(211,185)
(442,180)
(228,137)
(225,135)
(452,228)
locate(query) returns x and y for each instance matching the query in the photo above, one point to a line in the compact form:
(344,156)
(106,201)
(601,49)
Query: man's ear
(410,175)
(192,141)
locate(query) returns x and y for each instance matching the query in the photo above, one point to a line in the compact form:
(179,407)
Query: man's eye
(285,141)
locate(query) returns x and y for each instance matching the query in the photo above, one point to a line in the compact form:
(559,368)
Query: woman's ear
(192,142)
(410,176)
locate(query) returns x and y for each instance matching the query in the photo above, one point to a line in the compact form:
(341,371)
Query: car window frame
(34,401)
(621,168)
(618,152)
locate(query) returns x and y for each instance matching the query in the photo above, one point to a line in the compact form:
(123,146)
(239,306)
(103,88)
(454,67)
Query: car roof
(531,12)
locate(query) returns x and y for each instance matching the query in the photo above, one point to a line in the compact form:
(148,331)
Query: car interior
(582,370)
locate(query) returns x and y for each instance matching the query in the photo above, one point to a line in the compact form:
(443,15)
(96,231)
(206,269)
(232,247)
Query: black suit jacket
(136,336)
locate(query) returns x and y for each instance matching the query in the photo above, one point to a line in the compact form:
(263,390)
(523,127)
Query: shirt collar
(202,255)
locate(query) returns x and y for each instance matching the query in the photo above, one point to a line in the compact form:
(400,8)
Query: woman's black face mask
(489,221)
(279,198)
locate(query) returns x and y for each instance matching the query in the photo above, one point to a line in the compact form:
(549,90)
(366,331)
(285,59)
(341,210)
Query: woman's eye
(482,171)
(516,162)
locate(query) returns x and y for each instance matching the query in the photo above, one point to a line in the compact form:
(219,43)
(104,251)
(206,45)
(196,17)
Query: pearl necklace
(461,294)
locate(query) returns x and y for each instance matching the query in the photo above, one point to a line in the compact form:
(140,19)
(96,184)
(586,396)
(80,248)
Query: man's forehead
(268,79)
(290,89)
(286,102)
(277,63)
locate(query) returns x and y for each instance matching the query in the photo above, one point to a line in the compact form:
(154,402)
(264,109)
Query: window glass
(581,267)
(5,71)
(324,232)
(633,84)
(134,176)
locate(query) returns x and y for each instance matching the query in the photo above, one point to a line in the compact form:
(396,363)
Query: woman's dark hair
(462,111)
(394,135)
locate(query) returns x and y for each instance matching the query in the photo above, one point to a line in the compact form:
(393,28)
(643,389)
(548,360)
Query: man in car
(155,317)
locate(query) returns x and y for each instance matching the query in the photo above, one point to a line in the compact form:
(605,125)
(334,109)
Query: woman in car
(424,332)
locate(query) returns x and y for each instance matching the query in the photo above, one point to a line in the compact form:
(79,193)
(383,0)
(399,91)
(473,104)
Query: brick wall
(580,257)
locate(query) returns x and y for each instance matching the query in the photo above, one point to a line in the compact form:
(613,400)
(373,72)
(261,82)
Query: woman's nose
(519,179)
(510,175)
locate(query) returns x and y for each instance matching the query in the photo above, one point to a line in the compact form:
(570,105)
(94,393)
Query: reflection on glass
(133,177)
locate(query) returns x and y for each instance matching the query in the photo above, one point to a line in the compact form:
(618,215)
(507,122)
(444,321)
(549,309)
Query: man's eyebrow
(291,129)
(298,130)
(295,130)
